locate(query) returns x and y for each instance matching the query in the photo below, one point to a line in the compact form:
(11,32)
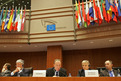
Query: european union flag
(51,27)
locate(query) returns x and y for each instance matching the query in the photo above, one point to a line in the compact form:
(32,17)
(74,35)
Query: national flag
(107,10)
(87,13)
(17,18)
(76,13)
(99,12)
(7,20)
(3,23)
(79,14)
(116,7)
(19,21)
(91,13)
(10,20)
(112,11)
(119,11)
(119,1)
(103,10)
(23,20)
(95,12)
(1,17)
(84,15)
(13,21)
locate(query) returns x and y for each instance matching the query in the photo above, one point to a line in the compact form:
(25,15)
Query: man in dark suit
(85,66)
(6,70)
(56,71)
(20,70)
(109,72)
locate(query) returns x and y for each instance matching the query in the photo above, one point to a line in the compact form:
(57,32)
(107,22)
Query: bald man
(109,71)
(56,71)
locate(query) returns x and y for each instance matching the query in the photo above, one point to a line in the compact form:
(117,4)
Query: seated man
(20,71)
(56,71)
(85,66)
(109,72)
(6,70)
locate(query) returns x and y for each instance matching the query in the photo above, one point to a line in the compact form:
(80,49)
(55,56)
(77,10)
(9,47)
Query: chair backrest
(103,68)
(30,70)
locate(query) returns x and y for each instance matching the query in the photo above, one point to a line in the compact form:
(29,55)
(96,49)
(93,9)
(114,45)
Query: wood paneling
(37,60)
(72,59)
(53,52)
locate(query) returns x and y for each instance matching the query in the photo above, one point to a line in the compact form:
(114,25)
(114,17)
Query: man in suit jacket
(6,70)
(20,70)
(109,72)
(56,71)
(85,66)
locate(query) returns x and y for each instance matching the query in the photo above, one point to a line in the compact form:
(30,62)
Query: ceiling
(85,44)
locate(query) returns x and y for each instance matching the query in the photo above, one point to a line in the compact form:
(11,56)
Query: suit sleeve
(78,74)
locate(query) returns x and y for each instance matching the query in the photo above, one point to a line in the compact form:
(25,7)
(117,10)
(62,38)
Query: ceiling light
(35,46)
(110,40)
(91,42)
(74,43)
(20,46)
(4,46)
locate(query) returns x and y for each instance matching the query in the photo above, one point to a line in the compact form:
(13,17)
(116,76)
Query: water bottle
(118,73)
(69,75)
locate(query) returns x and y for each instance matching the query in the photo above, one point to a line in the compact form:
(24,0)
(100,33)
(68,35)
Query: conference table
(60,78)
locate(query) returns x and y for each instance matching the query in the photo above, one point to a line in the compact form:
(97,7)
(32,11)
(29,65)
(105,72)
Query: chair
(30,70)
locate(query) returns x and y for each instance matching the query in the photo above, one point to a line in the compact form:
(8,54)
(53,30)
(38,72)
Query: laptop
(39,73)
(91,73)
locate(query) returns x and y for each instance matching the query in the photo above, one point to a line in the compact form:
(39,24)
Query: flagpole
(74,22)
(29,26)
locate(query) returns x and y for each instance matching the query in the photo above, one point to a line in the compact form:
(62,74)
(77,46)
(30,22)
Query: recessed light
(35,46)
(74,43)
(110,40)
(4,46)
(91,42)
(20,46)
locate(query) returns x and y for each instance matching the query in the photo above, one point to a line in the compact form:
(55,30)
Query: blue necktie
(57,73)
(111,74)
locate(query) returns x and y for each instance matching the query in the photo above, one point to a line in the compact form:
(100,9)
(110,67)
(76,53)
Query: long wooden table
(60,78)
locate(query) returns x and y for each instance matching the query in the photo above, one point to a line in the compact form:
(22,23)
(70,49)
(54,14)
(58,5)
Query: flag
(19,21)
(116,7)
(84,15)
(76,13)
(79,14)
(13,21)
(3,23)
(87,13)
(16,20)
(10,20)
(1,17)
(99,12)
(107,10)
(7,20)
(119,1)
(91,13)
(119,11)
(23,20)
(112,11)
(103,10)
(95,12)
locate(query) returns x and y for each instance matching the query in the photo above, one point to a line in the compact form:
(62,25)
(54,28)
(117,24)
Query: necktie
(57,73)
(111,74)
